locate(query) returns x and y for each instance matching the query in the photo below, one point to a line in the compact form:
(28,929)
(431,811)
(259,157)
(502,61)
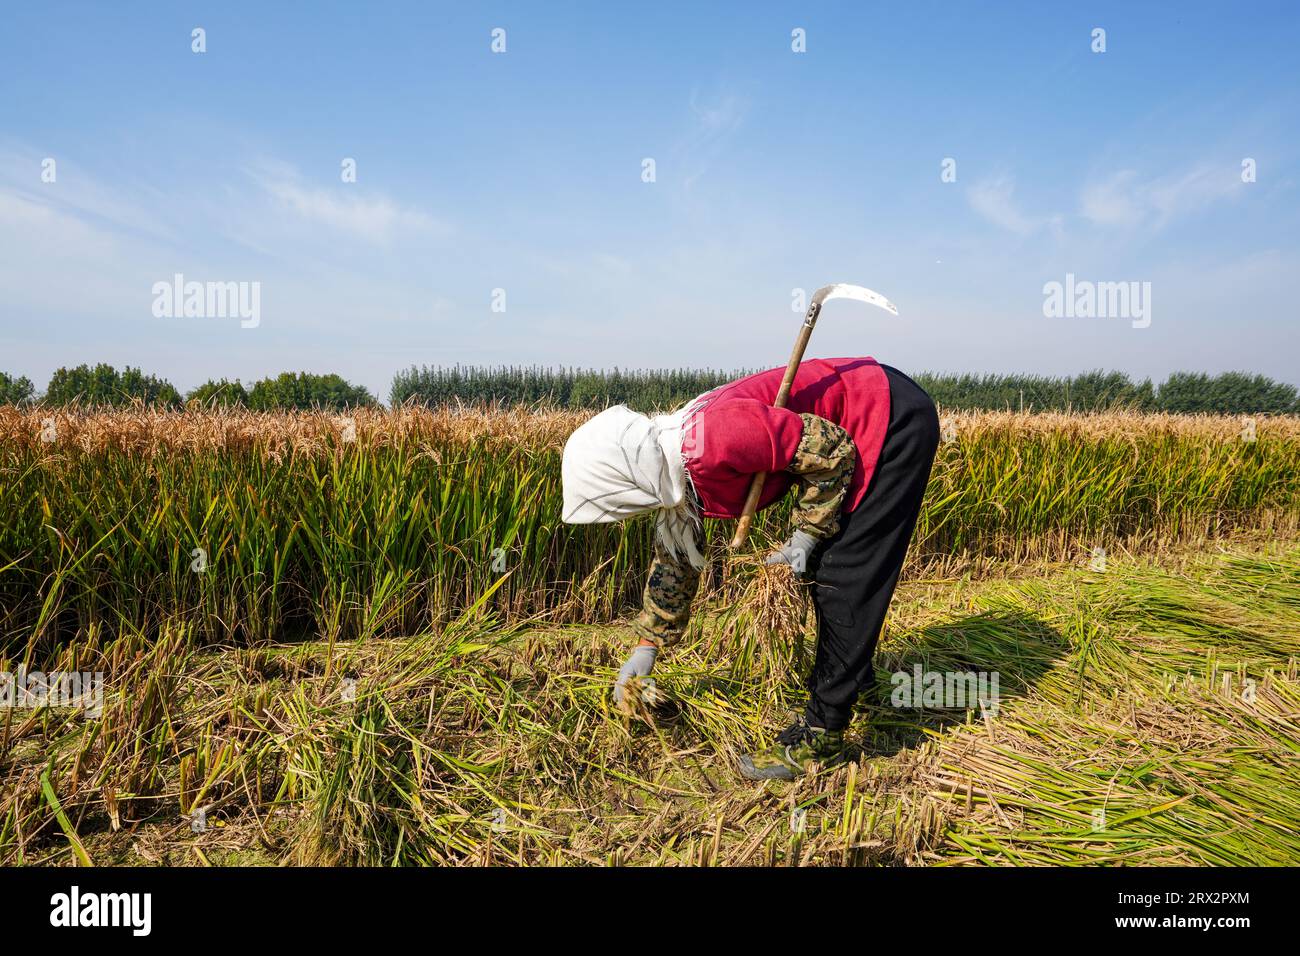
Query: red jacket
(738,433)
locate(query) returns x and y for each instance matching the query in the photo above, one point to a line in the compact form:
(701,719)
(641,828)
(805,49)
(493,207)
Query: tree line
(105,386)
(1230,393)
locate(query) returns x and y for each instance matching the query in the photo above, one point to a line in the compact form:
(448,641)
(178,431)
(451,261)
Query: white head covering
(622,463)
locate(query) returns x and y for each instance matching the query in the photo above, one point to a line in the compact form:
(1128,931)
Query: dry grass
(481,728)
(1123,736)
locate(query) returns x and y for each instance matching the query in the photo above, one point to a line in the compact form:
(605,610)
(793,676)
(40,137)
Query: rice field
(394,653)
(257,527)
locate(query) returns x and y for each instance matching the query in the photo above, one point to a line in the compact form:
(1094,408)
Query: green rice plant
(269,527)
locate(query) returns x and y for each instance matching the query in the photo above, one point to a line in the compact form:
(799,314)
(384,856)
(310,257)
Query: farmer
(856,439)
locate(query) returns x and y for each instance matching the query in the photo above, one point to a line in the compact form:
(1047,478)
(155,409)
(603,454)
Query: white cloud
(993,200)
(373,218)
(1111,203)
(1125,200)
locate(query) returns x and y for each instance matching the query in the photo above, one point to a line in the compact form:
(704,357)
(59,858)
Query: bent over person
(855,441)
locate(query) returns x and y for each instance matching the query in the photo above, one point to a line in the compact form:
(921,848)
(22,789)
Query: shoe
(797,748)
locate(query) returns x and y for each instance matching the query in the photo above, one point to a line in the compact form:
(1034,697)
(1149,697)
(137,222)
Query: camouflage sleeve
(666,603)
(824,465)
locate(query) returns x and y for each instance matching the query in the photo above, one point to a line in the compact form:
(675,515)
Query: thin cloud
(1125,200)
(714,121)
(993,199)
(719,115)
(127,206)
(374,219)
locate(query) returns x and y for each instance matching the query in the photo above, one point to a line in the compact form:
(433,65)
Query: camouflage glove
(639,664)
(795,552)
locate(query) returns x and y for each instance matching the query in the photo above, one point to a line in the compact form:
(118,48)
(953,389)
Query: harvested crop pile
(1148,714)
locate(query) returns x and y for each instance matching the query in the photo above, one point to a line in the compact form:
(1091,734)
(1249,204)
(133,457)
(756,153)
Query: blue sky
(522,171)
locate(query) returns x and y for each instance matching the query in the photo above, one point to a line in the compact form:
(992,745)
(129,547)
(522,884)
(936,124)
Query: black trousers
(856,570)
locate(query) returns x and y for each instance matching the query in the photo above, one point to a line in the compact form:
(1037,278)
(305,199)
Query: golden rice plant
(266,526)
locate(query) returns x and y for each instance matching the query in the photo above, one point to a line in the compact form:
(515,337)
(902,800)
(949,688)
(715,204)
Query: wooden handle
(782,396)
(751,506)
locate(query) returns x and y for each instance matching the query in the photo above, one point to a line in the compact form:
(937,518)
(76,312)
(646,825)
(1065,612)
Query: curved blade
(842,290)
